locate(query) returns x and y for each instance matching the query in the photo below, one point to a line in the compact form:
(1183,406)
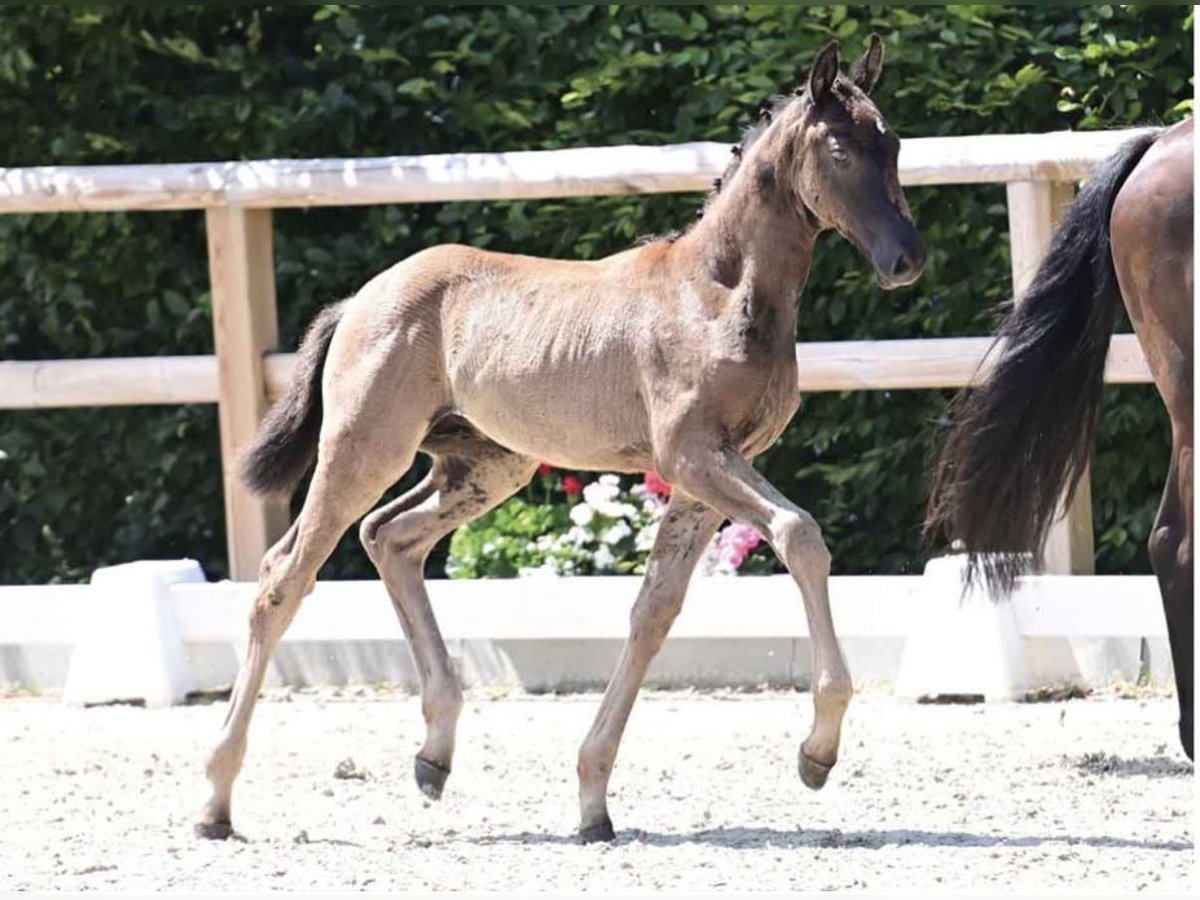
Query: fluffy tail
(1026,433)
(286,444)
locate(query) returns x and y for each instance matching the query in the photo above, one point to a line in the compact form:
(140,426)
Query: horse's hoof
(601,832)
(814,774)
(214,831)
(431,778)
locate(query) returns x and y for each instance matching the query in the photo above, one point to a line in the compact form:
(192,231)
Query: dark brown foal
(677,355)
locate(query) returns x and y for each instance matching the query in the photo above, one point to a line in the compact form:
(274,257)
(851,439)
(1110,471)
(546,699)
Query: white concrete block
(960,643)
(128,644)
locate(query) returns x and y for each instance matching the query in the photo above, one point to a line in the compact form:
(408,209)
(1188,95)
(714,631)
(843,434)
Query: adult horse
(678,355)
(1026,433)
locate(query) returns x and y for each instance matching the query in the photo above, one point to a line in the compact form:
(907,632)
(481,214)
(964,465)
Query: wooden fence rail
(925,363)
(1039,170)
(532,174)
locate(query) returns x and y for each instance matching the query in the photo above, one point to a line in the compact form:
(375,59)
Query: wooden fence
(1040,172)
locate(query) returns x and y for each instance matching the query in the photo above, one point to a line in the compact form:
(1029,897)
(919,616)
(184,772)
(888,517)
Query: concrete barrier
(548,634)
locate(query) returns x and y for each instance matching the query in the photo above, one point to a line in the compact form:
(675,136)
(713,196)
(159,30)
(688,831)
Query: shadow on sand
(871,839)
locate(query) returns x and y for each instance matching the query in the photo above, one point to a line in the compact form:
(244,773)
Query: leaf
(415,87)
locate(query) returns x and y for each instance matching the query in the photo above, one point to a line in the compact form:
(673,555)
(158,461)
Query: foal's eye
(838,153)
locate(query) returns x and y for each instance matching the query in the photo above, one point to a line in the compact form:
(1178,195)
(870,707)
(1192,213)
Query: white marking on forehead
(880,126)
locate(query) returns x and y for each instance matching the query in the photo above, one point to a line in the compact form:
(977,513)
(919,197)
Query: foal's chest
(757,400)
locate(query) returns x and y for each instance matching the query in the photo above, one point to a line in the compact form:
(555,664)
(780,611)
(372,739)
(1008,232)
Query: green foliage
(503,542)
(609,530)
(92,84)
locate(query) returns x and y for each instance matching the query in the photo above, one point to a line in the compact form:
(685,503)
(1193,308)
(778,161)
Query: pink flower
(544,469)
(735,543)
(572,486)
(655,484)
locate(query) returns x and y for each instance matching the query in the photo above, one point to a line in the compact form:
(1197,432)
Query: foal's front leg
(723,479)
(684,532)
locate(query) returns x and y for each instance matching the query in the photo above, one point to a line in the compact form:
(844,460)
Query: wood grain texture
(578,172)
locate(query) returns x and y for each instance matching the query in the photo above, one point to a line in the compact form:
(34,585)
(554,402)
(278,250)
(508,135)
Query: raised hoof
(601,832)
(214,831)
(814,774)
(431,778)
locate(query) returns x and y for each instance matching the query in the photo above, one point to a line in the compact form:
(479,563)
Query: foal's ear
(866,71)
(824,72)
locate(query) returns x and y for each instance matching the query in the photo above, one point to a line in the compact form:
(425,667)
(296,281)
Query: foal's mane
(750,134)
(843,89)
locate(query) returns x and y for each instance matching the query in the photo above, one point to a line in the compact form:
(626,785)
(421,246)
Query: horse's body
(1026,434)
(506,336)
(677,355)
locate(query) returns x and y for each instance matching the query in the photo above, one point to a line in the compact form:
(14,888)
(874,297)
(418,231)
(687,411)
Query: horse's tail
(1027,431)
(286,444)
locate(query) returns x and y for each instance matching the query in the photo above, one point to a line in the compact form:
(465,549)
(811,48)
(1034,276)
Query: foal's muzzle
(899,259)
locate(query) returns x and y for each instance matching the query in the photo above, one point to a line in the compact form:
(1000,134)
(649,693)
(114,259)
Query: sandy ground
(1081,794)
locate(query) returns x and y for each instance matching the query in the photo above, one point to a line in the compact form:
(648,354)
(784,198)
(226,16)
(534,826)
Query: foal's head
(835,163)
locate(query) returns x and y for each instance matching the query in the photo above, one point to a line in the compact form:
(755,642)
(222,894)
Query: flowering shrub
(597,529)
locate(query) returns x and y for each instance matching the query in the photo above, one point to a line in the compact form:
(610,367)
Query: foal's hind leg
(398,538)
(683,534)
(335,499)
(368,440)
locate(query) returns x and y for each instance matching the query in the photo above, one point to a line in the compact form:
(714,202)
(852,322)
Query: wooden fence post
(1034,209)
(242,273)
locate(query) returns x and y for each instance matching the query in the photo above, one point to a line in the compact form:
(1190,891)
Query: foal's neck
(753,238)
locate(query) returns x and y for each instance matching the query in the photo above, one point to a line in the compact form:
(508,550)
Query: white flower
(581,514)
(614,510)
(545,570)
(616,533)
(603,559)
(713,562)
(610,480)
(600,493)
(645,538)
(576,537)
(653,506)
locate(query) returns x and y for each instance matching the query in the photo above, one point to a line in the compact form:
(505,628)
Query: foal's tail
(286,444)
(1027,432)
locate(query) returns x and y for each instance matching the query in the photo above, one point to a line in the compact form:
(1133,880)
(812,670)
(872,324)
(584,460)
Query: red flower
(544,469)
(655,484)
(572,486)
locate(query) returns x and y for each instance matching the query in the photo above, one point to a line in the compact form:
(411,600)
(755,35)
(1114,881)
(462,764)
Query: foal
(678,355)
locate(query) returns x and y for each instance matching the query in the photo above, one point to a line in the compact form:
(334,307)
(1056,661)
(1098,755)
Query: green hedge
(125,84)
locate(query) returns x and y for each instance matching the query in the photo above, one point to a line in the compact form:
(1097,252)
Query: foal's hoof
(600,832)
(814,774)
(431,778)
(214,831)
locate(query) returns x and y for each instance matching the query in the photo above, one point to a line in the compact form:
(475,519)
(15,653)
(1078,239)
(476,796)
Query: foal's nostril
(902,266)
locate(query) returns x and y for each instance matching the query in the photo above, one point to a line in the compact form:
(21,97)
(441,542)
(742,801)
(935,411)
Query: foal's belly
(593,419)
(577,438)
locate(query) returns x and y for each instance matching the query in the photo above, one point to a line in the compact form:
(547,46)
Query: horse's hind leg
(337,496)
(366,444)
(1171,555)
(398,538)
